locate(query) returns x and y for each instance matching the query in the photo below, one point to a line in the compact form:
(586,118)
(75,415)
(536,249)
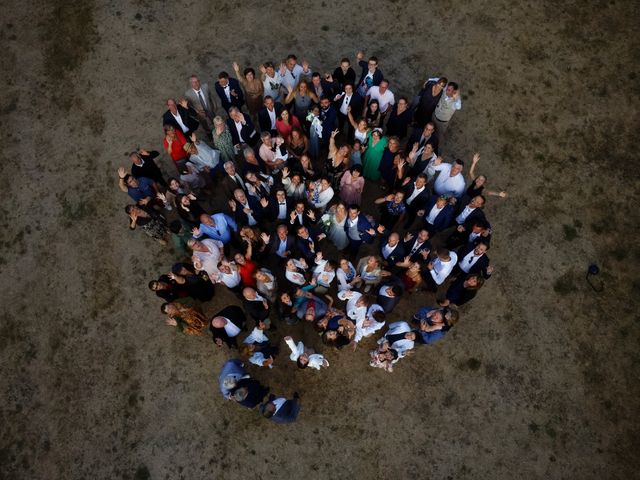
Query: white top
(416,192)
(272,117)
(388,250)
(178,119)
(231,328)
(324,198)
(433,214)
(278,402)
(346,99)
(401,346)
(206,156)
(385,99)
(239,129)
(447,185)
(316,360)
(468,261)
(256,336)
(362,136)
(230,280)
(227,92)
(272,87)
(323,278)
(460,219)
(369,329)
(295,277)
(441,270)
(343,283)
(211,258)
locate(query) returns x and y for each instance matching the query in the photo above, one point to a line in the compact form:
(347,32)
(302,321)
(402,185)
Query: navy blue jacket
(444,218)
(363,226)
(235,101)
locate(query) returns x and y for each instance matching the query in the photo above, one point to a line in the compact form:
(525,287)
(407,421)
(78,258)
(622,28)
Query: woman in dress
(372,114)
(360,128)
(338,161)
(297,145)
(222,141)
(153,223)
(253,89)
(302,98)
(285,123)
(174,142)
(372,156)
(352,185)
(347,276)
(428,99)
(335,220)
(399,119)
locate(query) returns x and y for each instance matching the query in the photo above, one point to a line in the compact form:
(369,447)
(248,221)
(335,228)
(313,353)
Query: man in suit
(438,214)
(226,325)
(342,102)
(324,87)
(466,214)
(470,232)
(392,251)
(232,371)
(143,165)
(389,295)
(268,115)
(281,244)
(370,75)
(329,119)
(281,410)
(246,209)
(255,305)
(229,91)
(277,210)
(231,180)
(473,260)
(462,290)
(425,135)
(416,195)
(359,229)
(241,128)
(181,117)
(249,392)
(298,218)
(200,99)
(306,243)
(417,247)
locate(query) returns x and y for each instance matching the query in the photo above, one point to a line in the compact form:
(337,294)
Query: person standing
(449,102)
(200,99)
(281,410)
(253,88)
(229,91)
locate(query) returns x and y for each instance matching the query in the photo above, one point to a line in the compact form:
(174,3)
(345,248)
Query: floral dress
(224,144)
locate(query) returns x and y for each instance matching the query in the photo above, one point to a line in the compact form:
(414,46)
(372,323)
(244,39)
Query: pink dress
(351,188)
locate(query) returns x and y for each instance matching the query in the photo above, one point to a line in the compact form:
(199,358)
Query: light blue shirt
(224,224)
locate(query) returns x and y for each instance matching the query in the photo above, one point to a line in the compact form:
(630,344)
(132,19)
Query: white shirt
(322,277)
(295,277)
(210,258)
(385,99)
(239,129)
(416,192)
(464,214)
(292,77)
(388,250)
(468,261)
(433,214)
(231,280)
(252,221)
(282,211)
(272,117)
(282,246)
(227,92)
(324,198)
(278,402)
(384,293)
(256,336)
(272,85)
(441,270)
(346,99)
(180,122)
(416,246)
(447,185)
(231,328)
(315,359)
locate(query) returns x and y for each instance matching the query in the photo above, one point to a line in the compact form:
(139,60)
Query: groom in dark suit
(229,91)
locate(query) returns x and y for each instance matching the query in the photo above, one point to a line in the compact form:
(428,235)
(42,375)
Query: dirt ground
(540,378)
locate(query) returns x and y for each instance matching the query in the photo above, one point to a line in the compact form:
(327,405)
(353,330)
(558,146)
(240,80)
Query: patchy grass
(565,284)
(570,232)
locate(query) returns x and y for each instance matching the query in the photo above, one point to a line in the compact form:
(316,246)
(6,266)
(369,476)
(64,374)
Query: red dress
(177,147)
(284,129)
(247,272)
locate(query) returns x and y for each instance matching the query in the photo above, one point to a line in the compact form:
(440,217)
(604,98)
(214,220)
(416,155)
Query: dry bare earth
(540,379)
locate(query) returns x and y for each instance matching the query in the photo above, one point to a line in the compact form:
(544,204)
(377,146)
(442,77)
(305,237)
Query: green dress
(372,157)
(224,144)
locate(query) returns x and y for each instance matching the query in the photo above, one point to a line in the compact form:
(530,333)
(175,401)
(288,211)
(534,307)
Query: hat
(187,146)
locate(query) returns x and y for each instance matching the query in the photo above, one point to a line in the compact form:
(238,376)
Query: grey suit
(205,112)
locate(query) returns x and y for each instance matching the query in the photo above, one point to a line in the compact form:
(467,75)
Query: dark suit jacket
(363,226)
(255,310)
(477,213)
(417,256)
(377,76)
(256,392)
(303,247)
(394,257)
(249,134)
(388,304)
(241,218)
(264,122)
(274,242)
(189,118)
(228,186)
(271,211)
(235,101)
(457,294)
(288,412)
(480,267)
(420,201)
(149,169)
(235,315)
(343,79)
(329,89)
(356,103)
(417,134)
(444,218)
(329,122)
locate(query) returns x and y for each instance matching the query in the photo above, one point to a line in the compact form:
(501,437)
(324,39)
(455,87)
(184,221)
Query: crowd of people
(266,198)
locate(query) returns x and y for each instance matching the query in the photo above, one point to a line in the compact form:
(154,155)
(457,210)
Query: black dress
(427,104)
(398,124)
